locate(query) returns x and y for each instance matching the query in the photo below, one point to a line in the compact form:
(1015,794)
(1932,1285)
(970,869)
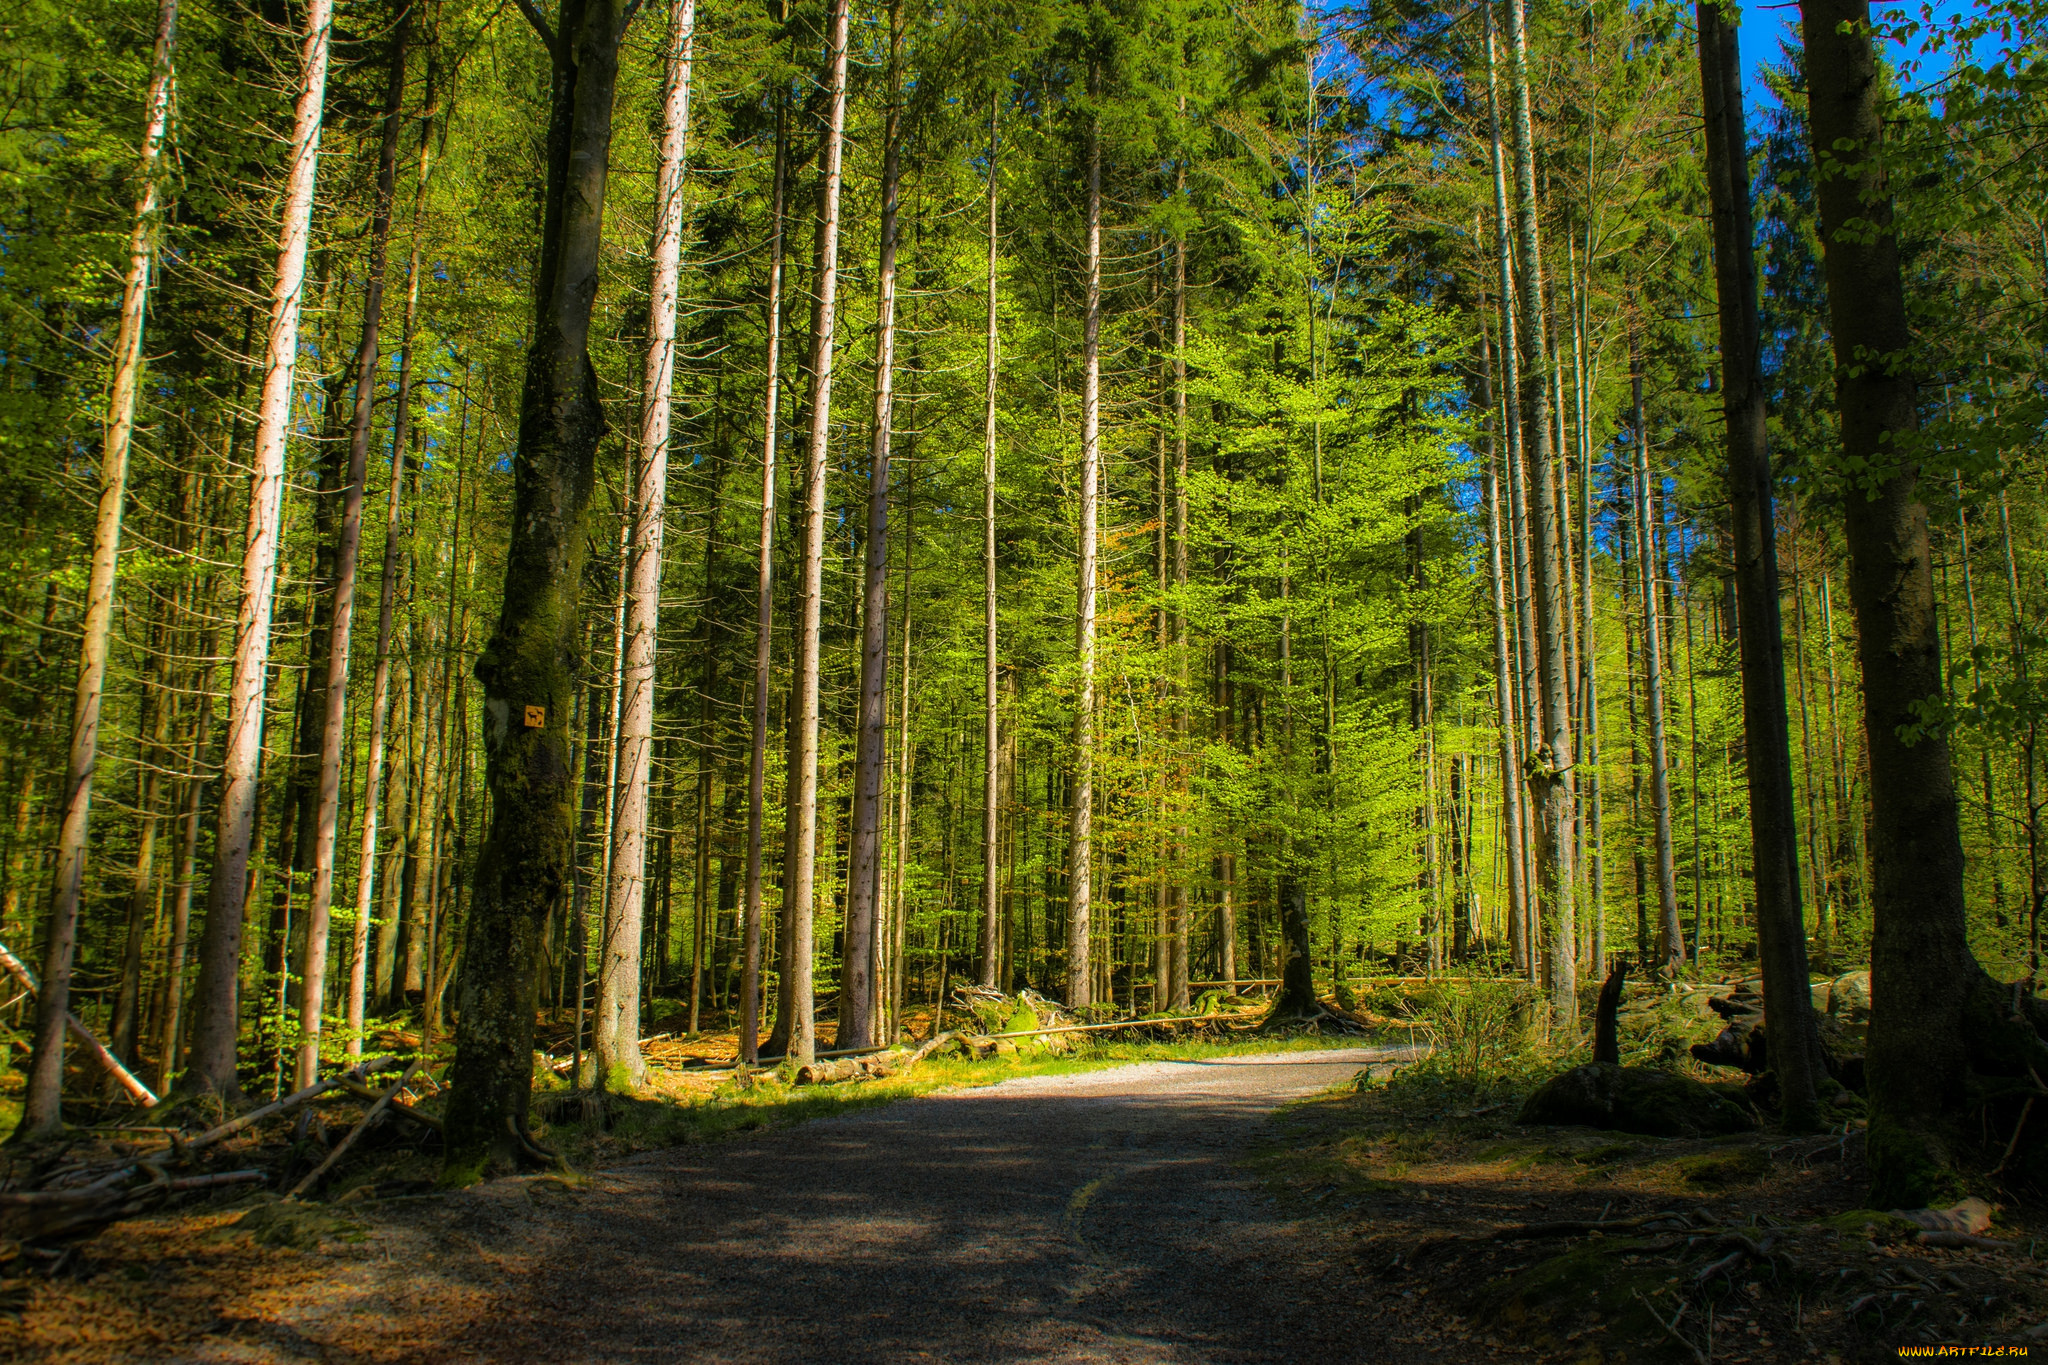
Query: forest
(520,521)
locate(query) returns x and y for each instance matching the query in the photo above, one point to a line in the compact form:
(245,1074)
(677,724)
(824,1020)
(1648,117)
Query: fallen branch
(285,1105)
(398,1107)
(1572,1227)
(368,1121)
(1963,1240)
(1671,1327)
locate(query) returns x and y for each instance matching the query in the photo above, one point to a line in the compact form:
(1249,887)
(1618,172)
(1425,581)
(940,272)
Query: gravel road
(1081,1218)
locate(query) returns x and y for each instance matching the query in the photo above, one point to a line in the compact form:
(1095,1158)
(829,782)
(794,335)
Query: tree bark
(348,546)
(1503,662)
(387,594)
(1922,970)
(217,1013)
(618,992)
(803,776)
(764,617)
(1549,769)
(857,991)
(1773,824)
(990,718)
(1081,843)
(527,666)
(42,1107)
(1670,933)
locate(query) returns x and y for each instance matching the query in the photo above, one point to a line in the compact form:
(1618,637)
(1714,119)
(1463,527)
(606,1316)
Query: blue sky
(1766,25)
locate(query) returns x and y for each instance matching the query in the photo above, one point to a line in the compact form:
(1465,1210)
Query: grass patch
(1743,1165)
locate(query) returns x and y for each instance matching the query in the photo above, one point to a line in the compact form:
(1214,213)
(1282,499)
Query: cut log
(142,1094)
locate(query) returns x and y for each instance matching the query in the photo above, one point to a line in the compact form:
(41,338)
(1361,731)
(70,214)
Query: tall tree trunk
(618,992)
(1503,662)
(764,633)
(387,594)
(42,1109)
(217,1013)
(1922,970)
(803,776)
(334,729)
(1670,933)
(1081,844)
(857,990)
(525,668)
(1178,892)
(1773,823)
(1550,765)
(990,730)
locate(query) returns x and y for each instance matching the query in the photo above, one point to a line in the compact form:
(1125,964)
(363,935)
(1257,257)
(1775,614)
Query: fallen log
(368,1121)
(142,1094)
(72,1215)
(869,1067)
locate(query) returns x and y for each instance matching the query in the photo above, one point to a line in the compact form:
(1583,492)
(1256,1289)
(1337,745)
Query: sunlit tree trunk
(617,1034)
(348,545)
(217,1013)
(42,1110)
(764,618)
(1549,771)
(990,719)
(1503,662)
(1081,842)
(857,994)
(803,776)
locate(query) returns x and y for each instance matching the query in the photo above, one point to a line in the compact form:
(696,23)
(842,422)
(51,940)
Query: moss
(1593,1277)
(1719,1170)
(281,1223)
(1909,1166)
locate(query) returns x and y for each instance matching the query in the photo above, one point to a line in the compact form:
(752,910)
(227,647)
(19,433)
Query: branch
(540,25)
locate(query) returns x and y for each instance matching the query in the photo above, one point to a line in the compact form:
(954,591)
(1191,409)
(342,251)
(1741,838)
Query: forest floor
(1215,1204)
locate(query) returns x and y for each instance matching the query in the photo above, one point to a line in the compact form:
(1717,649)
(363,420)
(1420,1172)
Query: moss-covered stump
(1631,1099)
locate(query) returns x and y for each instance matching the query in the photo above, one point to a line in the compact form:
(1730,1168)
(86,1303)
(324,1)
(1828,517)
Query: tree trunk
(42,1109)
(764,633)
(1773,825)
(803,776)
(217,1013)
(1080,856)
(1922,969)
(1550,765)
(1503,663)
(526,667)
(990,719)
(618,994)
(857,990)
(334,728)
(387,593)
(1670,933)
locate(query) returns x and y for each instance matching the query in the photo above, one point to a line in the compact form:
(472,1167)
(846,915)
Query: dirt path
(1096,1217)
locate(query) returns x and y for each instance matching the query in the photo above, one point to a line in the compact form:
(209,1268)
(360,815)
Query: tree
(1922,970)
(217,1025)
(1774,841)
(42,1104)
(618,1009)
(523,868)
